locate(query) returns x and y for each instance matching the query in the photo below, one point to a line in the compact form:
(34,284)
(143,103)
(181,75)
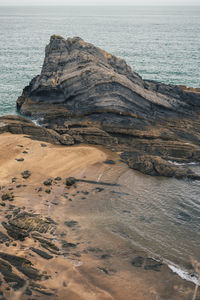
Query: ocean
(159,215)
(160,43)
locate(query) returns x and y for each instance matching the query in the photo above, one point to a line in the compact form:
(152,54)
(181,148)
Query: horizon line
(113,5)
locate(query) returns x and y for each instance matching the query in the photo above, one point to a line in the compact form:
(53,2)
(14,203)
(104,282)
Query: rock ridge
(90,96)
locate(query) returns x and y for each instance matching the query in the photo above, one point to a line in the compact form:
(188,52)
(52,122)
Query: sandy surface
(99,265)
(49,161)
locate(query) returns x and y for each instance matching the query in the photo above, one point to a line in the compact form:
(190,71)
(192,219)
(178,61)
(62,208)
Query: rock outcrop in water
(90,96)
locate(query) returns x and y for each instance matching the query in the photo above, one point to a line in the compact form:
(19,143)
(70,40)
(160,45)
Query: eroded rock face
(85,79)
(20,125)
(19,227)
(39,230)
(157,166)
(87,95)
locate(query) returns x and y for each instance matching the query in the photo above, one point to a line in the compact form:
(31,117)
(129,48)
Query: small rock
(99,189)
(147,263)
(18,186)
(19,159)
(71,223)
(152,264)
(105,256)
(3,238)
(70,181)
(138,261)
(77,254)
(85,192)
(91,249)
(28,292)
(68,245)
(58,178)
(48,182)
(8,216)
(41,253)
(103,270)
(63,234)
(26,174)
(43,145)
(109,162)
(48,191)
(11,206)
(7,196)
(16,211)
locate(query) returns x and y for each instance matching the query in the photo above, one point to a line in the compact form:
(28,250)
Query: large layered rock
(97,98)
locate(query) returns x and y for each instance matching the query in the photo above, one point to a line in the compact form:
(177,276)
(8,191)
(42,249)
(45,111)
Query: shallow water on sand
(159,215)
(155,214)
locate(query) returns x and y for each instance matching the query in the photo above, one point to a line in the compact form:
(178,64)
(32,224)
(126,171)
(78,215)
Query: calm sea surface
(160,43)
(159,215)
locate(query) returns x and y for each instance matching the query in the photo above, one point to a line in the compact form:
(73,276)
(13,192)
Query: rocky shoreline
(87,95)
(52,234)
(54,242)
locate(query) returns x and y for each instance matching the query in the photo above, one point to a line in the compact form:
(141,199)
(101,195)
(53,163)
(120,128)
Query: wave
(184,274)
(37,121)
(183,164)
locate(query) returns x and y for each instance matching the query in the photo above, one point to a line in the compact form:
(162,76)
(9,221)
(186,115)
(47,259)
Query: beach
(92,262)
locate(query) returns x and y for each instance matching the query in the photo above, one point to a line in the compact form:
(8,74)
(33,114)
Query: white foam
(181,164)
(184,274)
(2,124)
(37,121)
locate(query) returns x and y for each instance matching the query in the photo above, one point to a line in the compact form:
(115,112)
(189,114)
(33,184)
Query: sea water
(160,43)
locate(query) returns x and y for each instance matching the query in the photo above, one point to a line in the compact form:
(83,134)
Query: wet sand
(93,262)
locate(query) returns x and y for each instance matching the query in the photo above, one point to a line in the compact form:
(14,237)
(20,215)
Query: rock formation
(85,94)
(20,125)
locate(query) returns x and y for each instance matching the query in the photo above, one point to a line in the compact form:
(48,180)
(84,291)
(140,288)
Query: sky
(99,2)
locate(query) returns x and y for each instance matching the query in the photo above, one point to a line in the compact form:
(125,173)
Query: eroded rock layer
(87,95)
